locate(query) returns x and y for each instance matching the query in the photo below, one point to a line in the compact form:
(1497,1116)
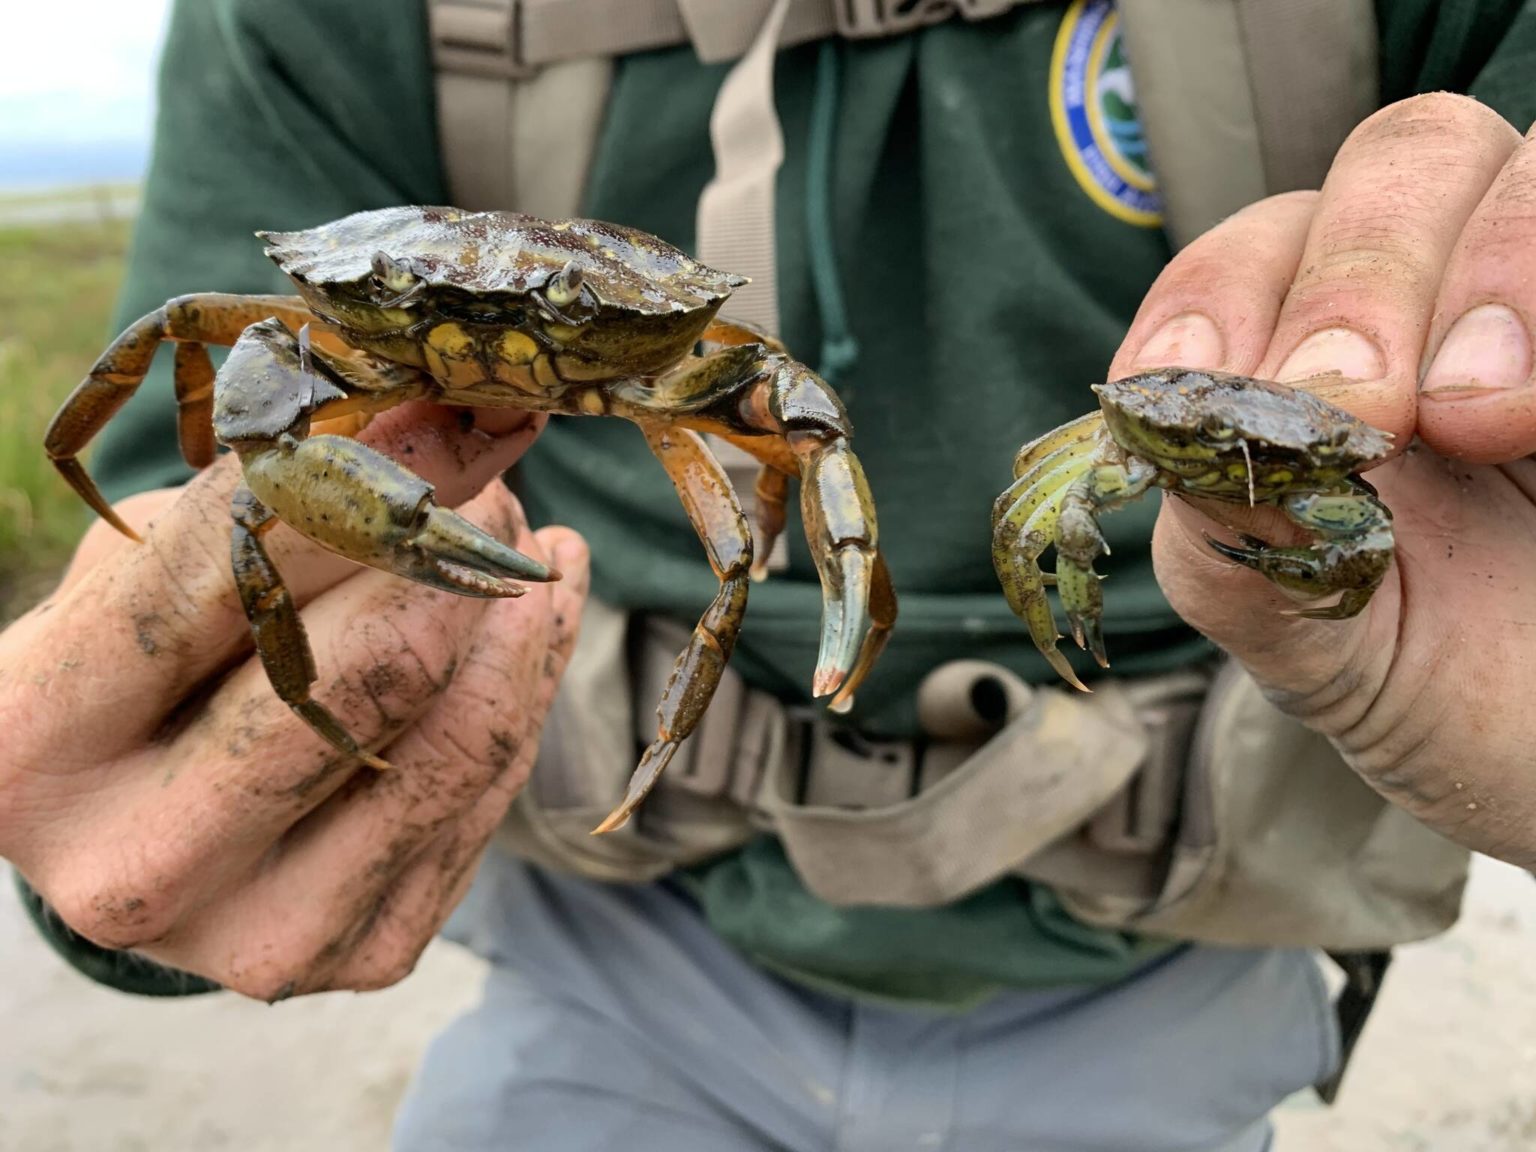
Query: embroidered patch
(1093,109)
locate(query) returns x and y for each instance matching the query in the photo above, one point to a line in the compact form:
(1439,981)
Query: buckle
(865,19)
(478,38)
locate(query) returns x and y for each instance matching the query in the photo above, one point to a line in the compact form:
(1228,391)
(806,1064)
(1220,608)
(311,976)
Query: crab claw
(452,554)
(359,503)
(845,617)
(839,517)
(1249,557)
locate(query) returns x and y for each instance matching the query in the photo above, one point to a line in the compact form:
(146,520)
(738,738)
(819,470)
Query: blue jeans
(614,1019)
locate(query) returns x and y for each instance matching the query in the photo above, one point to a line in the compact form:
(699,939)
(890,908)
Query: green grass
(57,286)
(83,193)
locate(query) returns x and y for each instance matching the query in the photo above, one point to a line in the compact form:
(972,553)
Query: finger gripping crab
(1230,438)
(497,310)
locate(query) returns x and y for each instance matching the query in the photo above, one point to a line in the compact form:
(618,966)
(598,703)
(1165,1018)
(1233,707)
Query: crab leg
(772,492)
(790,401)
(1352,557)
(716,515)
(1079,542)
(193,376)
(779,464)
(729,333)
(772,487)
(784,414)
(349,498)
(191,321)
(1024,520)
(279,633)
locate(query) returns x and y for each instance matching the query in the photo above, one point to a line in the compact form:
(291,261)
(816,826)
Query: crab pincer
(350,498)
(840,528)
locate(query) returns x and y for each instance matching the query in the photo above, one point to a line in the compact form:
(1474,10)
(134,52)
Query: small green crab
(497,309)
(1230,438)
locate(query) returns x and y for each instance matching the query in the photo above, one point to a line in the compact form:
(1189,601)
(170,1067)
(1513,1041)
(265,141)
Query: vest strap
(512,39)
(1241,99)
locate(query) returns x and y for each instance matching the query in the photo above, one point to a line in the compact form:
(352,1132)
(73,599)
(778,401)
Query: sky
(77,89)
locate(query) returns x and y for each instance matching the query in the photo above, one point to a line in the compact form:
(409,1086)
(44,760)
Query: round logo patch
(1093,109)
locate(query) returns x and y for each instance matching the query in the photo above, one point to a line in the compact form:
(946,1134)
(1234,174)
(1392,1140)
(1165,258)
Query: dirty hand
(161,798)
(1412,278)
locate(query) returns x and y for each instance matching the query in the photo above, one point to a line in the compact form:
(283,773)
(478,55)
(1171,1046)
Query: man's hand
(161,798)
(1408,285)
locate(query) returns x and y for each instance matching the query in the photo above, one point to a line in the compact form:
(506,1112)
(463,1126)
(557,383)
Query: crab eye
(564,286)
(390,275)
(1217,428)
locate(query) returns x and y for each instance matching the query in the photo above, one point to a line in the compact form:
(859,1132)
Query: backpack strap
(511,136)
(525,35)
(1241,99)
(736,211)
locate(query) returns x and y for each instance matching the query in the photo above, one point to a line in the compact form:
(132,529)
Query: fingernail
(1334,352)
(1486,350)
(1189,340)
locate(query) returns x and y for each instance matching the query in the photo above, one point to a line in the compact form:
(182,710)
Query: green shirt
(985,284)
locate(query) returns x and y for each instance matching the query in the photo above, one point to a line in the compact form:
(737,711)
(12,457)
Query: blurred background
(76,110)
(1447,1064)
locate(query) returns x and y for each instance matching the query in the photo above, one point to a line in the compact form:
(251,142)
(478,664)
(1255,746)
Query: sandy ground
(1448,1063)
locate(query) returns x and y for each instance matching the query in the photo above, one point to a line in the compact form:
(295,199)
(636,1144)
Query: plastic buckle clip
(479,38)
(865,19)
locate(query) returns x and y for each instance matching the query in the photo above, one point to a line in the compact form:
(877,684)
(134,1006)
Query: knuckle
(268,980)
(1430,114)
(117,914)
(1366,265)
(480,744)
(389,946)
(502,514)
(26,745)
(411,649)
(287,957)
(206,495)
(1205,270)
(1235,234)
(380,967)
(1301,199)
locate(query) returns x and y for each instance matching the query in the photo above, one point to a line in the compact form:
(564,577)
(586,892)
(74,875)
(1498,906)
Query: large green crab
(1231,438)
(497,309)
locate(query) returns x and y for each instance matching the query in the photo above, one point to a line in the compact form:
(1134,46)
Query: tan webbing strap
(736,212)
(517,37)
(725,31)
(1241,99)
(985,818)
(510,139)
(1315,76)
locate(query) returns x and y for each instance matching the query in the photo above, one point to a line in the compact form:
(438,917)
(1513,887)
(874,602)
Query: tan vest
(1181,805)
